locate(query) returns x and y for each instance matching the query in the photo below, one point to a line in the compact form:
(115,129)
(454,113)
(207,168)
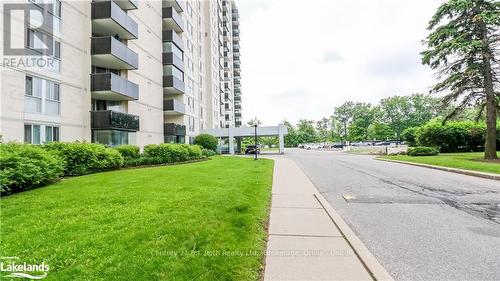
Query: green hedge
(452,137)
(128,151)
(169,153)
(208,152)
(24,167)
(206,141)
(82,158)
(422,151)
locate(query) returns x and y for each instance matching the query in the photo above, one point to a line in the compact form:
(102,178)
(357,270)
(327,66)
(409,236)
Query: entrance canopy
(265,131)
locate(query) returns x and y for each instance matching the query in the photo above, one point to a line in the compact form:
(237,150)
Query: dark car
(252,149)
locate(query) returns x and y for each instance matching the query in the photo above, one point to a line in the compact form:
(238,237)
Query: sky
(300,59)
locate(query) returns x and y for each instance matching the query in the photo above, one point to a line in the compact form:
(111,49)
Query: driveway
(421,224)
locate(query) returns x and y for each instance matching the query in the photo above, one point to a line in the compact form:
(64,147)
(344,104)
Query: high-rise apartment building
(121,71)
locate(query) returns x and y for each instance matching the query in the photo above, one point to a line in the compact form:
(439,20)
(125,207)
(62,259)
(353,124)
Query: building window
(34,134)
(51,133)
(57,8)
(191,124)
(113,137)
(42,96)
(174,71)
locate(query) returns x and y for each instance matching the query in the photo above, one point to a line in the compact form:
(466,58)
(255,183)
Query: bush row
(463,136)
(25,166)
(422,151)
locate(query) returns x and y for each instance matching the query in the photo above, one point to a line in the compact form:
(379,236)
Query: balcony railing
(173,107)
(109,86)
(113,120)
(127,4)
(172,129)
(172,59)
(173,3)
(110,53)
(172,36)
(173,85)
(172,20)
(109,19)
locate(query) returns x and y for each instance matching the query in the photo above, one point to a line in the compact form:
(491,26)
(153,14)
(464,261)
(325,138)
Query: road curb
(376,270)
(446,169)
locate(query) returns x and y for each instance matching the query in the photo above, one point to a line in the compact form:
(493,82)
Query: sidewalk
(307,239)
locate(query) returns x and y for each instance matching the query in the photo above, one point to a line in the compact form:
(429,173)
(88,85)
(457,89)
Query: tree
(463,47)
(402,112)
(363,116)
(324,129)
(306,133)
(380,131)
(291,137)
(343,114)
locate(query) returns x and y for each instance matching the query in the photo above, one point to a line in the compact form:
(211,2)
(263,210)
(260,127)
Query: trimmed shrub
(195,151)
(24,167)
(86,158)
(463,136)
(410,136)
(208,152)
(128,151)
(422,151)
(206,141)
(142,161)
(169,153)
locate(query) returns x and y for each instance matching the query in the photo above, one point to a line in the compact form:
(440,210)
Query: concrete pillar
(281,137)
(231,140)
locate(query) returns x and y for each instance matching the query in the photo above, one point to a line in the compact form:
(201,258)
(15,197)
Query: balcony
(109,86)
(237,106)
(173,107)
(113,120)
(173,3)
(172,129)
(107,52)
(172,36)
(108,19)
(172,85)
(172,20)
(237,115)
(172,59)
(127,4)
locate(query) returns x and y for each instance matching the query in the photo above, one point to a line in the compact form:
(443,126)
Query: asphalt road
(421,224)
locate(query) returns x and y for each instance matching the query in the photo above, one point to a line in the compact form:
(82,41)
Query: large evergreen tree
(463,47)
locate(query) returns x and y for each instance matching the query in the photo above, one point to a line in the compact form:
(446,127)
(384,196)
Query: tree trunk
(490,146)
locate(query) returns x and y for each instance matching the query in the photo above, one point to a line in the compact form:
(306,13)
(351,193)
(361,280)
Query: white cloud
(302,58)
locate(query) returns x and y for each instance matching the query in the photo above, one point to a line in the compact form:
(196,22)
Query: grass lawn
(468,161)
(199,221)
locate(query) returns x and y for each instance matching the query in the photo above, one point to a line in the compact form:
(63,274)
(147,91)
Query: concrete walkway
(307,238)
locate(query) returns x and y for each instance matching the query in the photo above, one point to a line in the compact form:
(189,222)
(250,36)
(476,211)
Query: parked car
(312,146)
(337,145)
(252,149)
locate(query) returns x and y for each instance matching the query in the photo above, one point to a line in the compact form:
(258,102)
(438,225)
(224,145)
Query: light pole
(255,135)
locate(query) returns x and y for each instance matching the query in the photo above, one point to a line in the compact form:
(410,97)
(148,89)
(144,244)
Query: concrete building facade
(122,71)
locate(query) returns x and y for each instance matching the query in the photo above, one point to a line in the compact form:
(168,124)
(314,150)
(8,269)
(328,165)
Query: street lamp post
(255,135)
